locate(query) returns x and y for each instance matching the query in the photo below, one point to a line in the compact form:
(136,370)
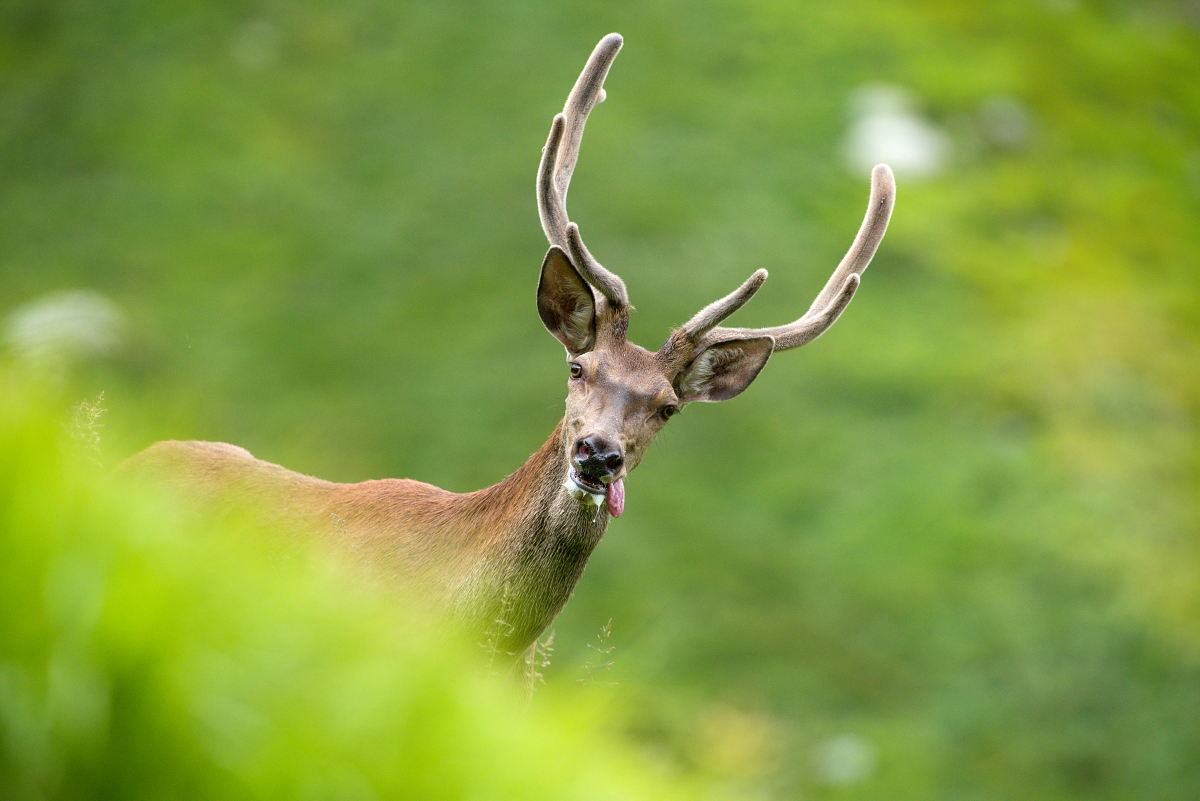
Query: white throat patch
(583,494)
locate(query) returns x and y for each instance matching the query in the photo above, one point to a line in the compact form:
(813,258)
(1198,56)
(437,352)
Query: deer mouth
(593,485)
(588,490)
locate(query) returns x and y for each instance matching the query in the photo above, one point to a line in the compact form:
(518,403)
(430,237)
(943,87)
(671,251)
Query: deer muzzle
(594,474)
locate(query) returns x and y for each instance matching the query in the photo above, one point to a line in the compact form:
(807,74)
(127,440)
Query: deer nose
(595,456)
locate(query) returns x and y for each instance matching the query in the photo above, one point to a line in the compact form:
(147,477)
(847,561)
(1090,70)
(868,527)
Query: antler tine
(558,164)
(587,92)
(874,225)
(609,284)
(840,288)
(711,315)
(552,213)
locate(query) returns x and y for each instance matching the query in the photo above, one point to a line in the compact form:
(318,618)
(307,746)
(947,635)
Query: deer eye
(669,411)
(576,371)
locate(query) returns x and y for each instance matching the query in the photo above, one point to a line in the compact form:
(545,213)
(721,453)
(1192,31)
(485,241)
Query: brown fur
(522,543)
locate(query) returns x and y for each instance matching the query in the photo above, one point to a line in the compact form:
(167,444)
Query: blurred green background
(950,550)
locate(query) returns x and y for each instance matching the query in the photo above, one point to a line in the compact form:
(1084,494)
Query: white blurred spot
(63,327)
(886,129)
(845,759)
(1004,122)
(256,44)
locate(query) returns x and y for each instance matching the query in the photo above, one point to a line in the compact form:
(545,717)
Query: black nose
(594,456)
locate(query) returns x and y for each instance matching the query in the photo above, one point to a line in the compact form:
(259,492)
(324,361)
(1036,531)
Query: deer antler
(558,163)
(702,331)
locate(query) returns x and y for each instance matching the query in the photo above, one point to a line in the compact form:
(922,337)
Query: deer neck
(539,541)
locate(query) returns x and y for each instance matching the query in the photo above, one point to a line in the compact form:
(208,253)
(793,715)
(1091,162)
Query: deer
(515,551)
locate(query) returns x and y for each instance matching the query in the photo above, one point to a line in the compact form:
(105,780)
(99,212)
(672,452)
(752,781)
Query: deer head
(621,395)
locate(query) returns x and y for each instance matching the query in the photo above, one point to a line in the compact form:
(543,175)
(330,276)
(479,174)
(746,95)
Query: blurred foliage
(961,530)
(143,657)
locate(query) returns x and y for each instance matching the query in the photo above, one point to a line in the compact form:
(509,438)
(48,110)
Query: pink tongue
(616,497)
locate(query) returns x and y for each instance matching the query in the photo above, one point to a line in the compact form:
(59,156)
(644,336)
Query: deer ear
(723,370)
(565,303)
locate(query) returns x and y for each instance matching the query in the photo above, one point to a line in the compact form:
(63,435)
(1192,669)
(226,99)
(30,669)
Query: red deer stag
(521,545)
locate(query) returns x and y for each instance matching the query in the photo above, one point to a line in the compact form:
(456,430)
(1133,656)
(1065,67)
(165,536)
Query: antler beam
(558,163)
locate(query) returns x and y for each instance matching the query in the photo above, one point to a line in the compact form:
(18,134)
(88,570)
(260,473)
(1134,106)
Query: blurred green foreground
(143,656)
(950,550)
